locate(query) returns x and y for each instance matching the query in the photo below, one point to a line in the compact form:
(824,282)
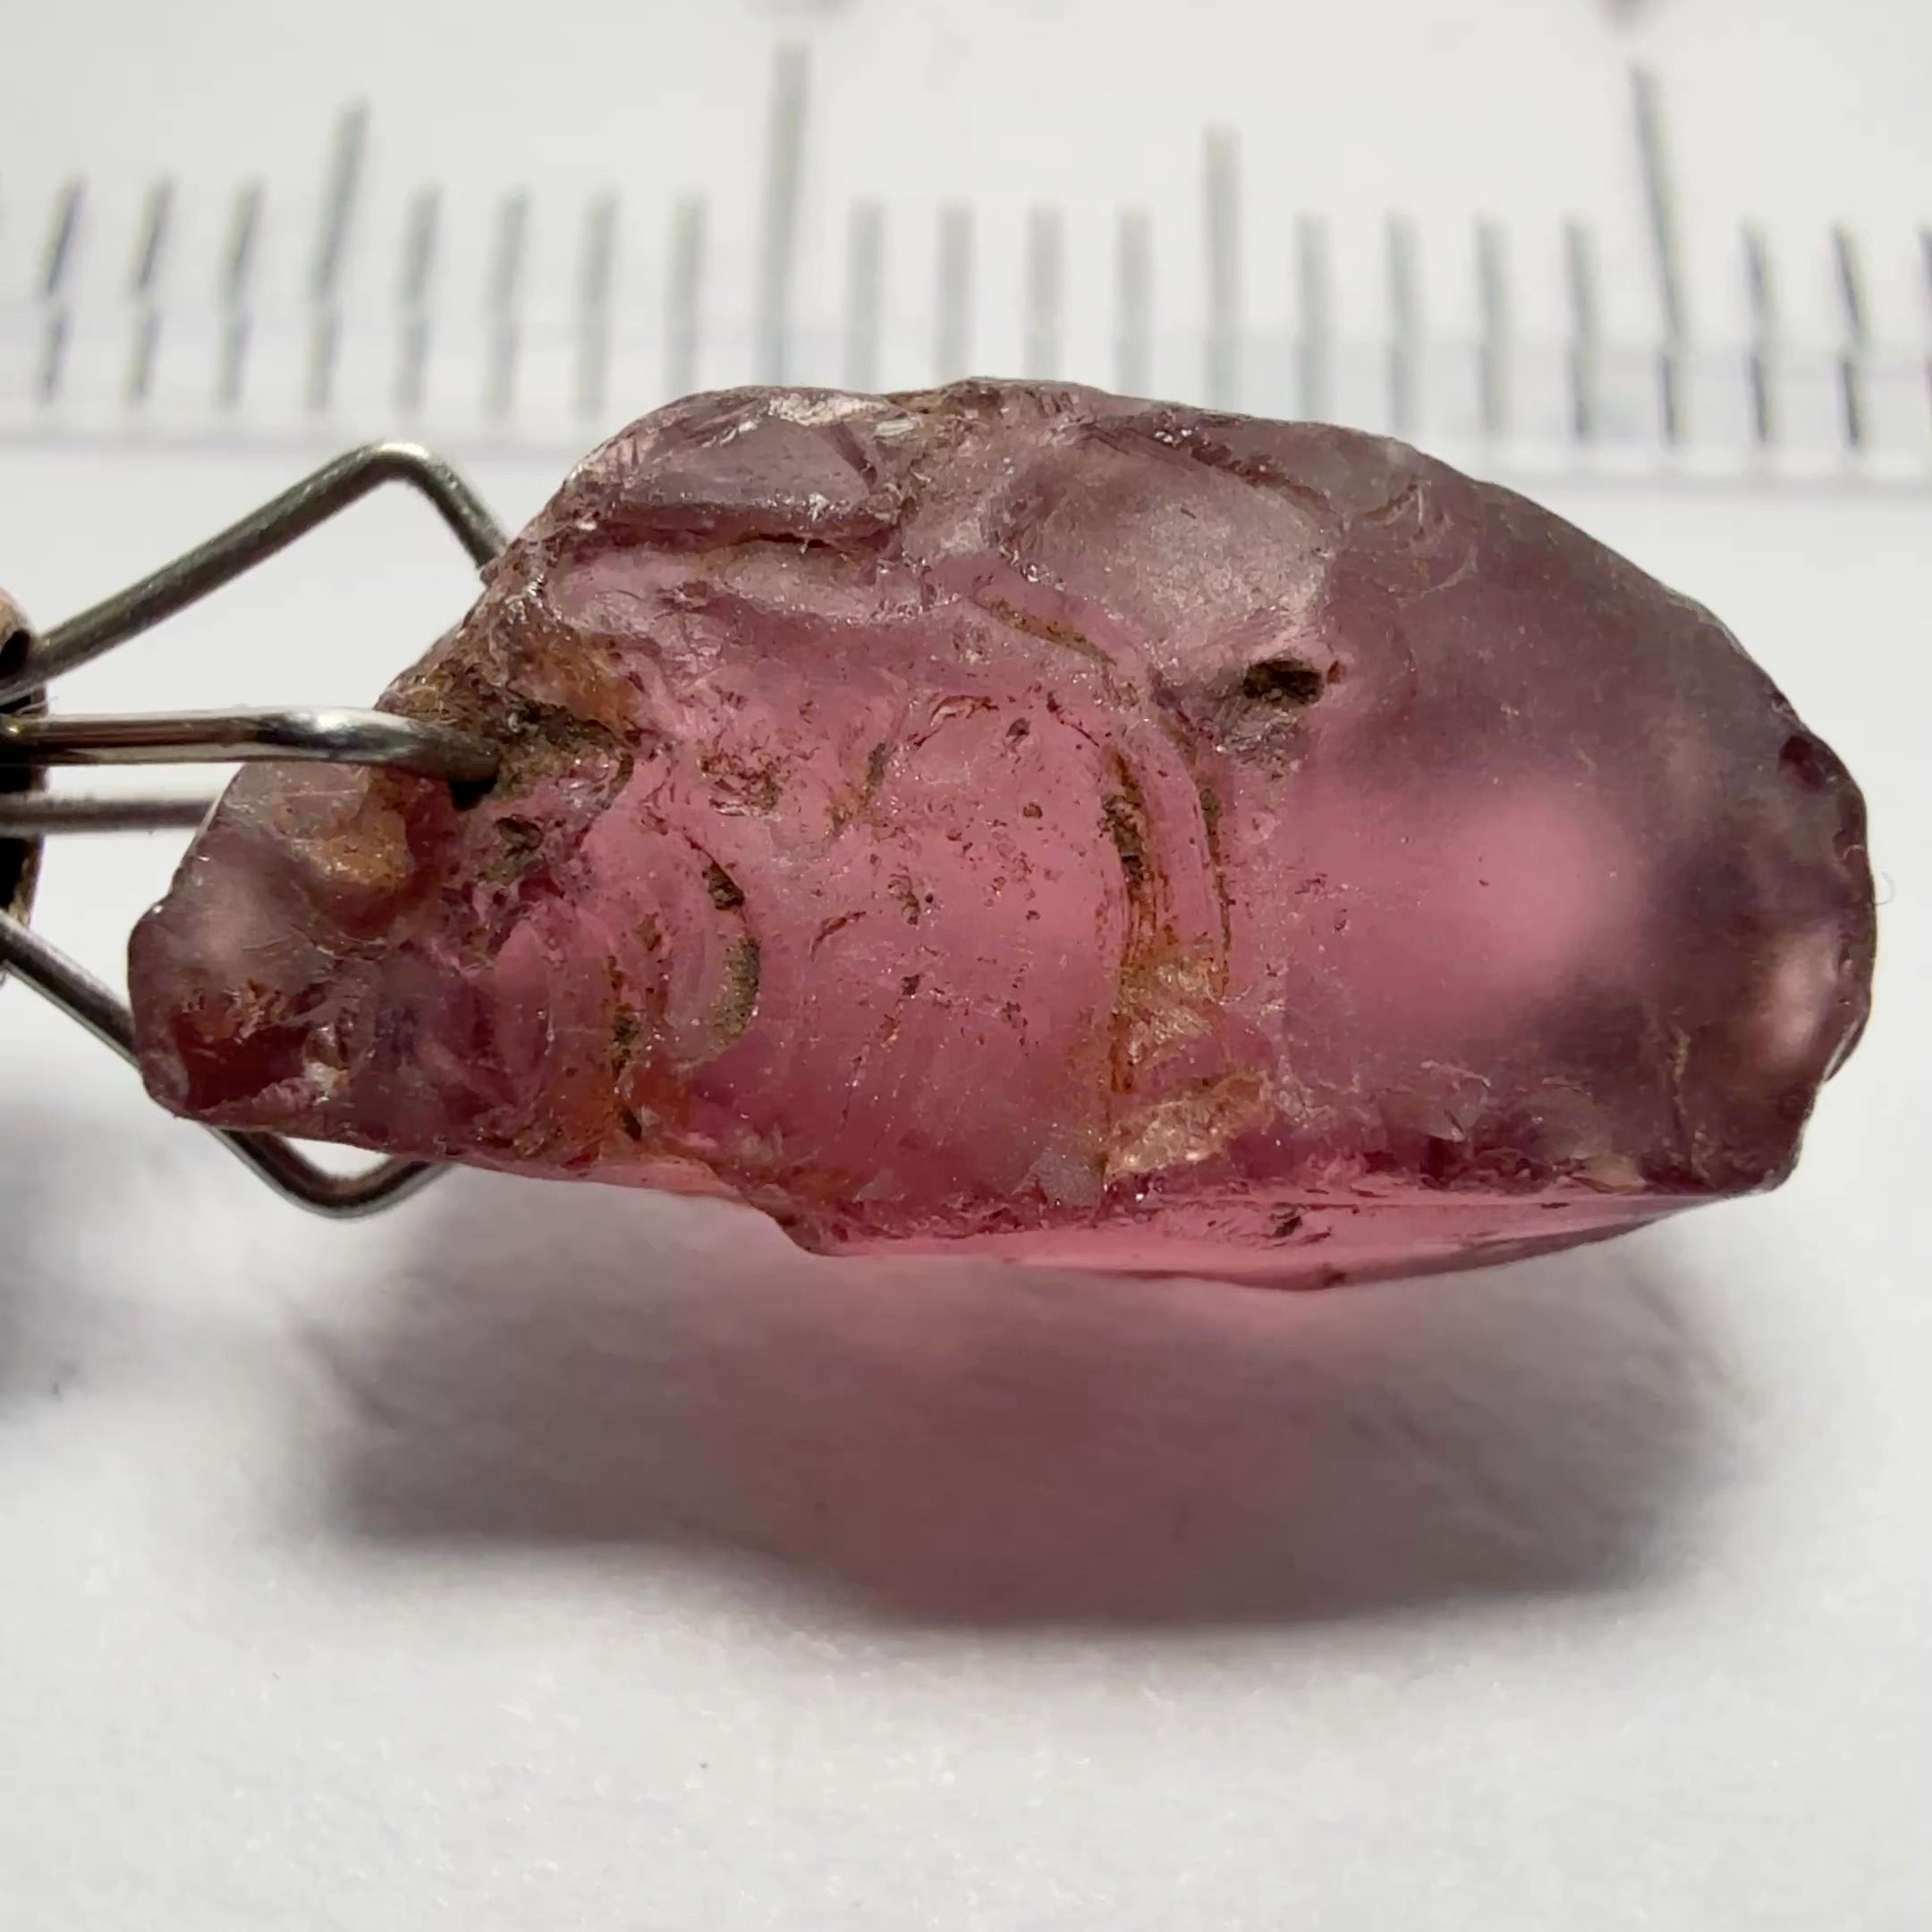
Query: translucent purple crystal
(1016,818)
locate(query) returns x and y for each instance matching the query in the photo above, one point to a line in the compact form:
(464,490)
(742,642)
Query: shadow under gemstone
(963,1442)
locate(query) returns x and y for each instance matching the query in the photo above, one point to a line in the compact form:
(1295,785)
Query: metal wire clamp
(31,739)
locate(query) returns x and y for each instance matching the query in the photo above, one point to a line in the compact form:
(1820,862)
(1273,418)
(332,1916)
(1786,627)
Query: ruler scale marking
(1850,279)
(1044,293)
(597,277)
(334,223)
(865,294)
(1584,356)
(144,292)
(1213,352)
(1761,357)
(1133,302)
(1925,291)
(1405,324)
(1314,315)
(420,247)
(785,148)
(684,296)
(1221,372)
(1493,349)
(505,301)
(1666,253)
(56,272)
(952,297)
(237,286)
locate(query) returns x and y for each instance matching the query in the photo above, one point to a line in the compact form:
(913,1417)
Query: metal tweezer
(31,739)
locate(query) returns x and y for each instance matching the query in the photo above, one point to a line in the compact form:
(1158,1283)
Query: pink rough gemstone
(1015,818)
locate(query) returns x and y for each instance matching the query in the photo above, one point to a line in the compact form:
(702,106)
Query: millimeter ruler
(537,315)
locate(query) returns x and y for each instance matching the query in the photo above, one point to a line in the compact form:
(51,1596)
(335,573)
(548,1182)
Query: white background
(550,1558)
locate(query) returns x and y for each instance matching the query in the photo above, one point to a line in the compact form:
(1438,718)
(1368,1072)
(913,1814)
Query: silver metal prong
(31,815)
(340,1197)
(243,545)
(30,740)
(77,994)
(308,735)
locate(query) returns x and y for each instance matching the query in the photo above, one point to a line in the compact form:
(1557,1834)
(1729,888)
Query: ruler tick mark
(1925,268)
(1315,315)
(1134,301)
(419,238)
(1405,326)
(237,280)
(865,292)
(1044,293)
(144,292)
(1660,206)
(56,272)
(952,300)
(1857,339)
(1585,328)
(596,274)
(1496,349)
(1760,358)
(505,301)
(683,297)
(784,157)
(334,223)
(1221,180)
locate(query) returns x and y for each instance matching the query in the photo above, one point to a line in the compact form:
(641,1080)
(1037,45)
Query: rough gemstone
(1016,818)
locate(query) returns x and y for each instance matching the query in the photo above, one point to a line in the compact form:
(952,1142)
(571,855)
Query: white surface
(537,1558)
(548,1557)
